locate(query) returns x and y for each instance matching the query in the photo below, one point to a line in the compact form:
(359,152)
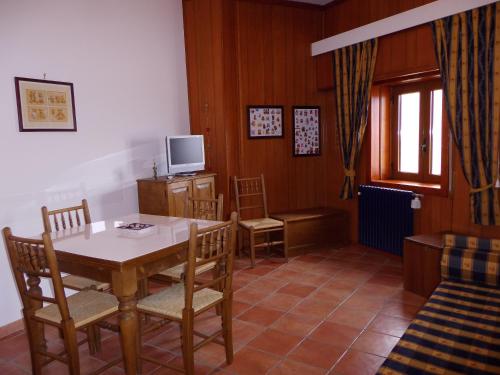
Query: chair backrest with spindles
(250,194)
(206,209)
(63,218)
(217,245)
(31,261)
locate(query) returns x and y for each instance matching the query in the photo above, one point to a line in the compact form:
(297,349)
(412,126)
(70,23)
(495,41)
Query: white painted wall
(126,60)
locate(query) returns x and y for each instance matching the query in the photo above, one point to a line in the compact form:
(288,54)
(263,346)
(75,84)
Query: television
(185,154)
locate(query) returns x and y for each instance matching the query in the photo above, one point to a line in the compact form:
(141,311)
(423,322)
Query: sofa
(458,329)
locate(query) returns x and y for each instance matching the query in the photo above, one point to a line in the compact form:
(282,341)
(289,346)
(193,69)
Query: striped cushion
(467,242)
(479,266)
(456,332)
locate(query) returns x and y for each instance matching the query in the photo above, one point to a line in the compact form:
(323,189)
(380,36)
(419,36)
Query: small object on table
(155,171)
(135,226)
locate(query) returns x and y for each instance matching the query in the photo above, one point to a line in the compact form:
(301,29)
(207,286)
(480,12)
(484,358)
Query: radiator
(385,217)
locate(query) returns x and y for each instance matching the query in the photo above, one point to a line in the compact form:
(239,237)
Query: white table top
(103,240)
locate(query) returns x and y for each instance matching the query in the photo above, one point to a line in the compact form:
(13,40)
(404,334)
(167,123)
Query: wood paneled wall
(211,59)
(266,47)
(275,67)
(402,53)
(243,52)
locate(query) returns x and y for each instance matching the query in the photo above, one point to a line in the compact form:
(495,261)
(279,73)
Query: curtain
(468,50)
(353,72)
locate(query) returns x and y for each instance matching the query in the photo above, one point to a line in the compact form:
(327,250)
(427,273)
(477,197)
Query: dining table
(122,253)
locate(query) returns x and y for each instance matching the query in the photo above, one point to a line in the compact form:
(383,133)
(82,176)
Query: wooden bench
(314,226)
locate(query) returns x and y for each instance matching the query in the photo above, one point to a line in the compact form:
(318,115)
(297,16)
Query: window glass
(409,120)
(436,131)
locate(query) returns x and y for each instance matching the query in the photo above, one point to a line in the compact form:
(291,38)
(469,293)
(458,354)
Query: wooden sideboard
(167,197)
(422,263)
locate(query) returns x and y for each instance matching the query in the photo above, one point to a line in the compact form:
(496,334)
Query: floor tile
(261,316)
(314,307)
(375,343)
(310,258)
(199,369)
(389,325)
(285,274)
(240,307)
(249,295)
(335,334)
(279,301)
(258,271)
(267,284)
(275,342)
(17,345)
(400,310)
(409,298)
(364,303)
(299,317)
(313,279)
(316,354)
(358,363)
(249,361)
(394,281)
(296,289)
(289,367)
(243,332)
(352,317)
(299,325)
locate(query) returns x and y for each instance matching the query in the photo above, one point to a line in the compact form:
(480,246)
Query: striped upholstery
(456,332)
(478,266)
(468,242)
(471,259)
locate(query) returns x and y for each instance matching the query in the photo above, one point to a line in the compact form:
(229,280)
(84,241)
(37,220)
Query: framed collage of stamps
(45,105)
(265,121)
(306,131)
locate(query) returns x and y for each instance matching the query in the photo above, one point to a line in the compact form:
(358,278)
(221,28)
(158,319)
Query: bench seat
(457,331)
(314,227)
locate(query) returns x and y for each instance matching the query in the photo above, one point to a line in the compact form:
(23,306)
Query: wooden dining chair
(65,218)
(182,302)
(33,260)
(251,202)
(205,209)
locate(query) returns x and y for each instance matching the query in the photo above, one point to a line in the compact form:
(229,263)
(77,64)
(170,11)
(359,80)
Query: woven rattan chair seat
(84,307)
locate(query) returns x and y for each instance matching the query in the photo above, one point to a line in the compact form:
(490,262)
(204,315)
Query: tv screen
(185,153)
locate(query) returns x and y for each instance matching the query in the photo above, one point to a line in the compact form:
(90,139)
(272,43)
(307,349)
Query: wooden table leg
(125,288)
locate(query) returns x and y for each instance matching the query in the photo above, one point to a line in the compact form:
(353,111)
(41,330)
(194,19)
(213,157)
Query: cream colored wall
(126,60)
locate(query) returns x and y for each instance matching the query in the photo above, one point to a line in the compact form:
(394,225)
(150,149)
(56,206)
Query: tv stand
(168,195)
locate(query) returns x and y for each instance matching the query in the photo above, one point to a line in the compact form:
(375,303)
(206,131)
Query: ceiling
(317,2)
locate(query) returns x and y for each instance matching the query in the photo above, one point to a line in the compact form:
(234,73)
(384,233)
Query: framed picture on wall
(265,121)
(45,105)
(306,131)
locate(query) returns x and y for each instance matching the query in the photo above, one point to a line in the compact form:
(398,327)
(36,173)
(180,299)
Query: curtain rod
(405,20)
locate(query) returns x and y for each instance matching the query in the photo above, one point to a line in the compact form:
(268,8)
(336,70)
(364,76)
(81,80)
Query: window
(409,145)
(416,131)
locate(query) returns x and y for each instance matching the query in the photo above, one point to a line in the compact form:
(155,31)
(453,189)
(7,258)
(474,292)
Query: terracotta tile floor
(332,311)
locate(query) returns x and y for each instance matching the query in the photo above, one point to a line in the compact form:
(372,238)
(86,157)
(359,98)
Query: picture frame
(45,106)
(265,121)
(306,130)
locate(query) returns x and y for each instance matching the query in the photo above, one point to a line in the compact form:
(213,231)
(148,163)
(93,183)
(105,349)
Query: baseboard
(11,328)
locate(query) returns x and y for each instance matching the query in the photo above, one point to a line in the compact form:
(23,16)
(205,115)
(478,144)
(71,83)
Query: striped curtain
(468,50)
(353,71)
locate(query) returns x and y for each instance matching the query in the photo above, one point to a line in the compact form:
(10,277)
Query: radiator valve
(416,204)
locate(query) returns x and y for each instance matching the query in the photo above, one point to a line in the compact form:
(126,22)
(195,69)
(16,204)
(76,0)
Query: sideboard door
(204,187)
(178,194)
